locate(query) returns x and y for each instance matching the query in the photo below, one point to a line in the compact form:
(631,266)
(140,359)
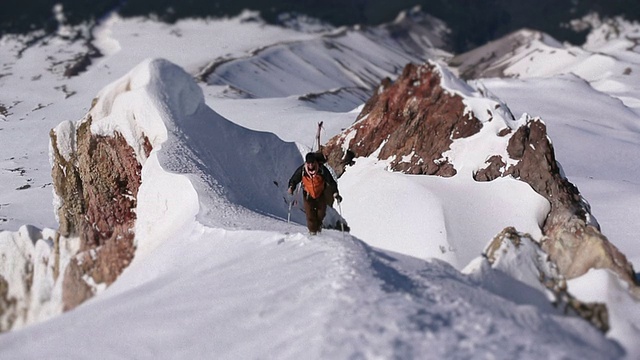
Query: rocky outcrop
(414,121)
(97,185)
(537,270)
(75,289)
(572,237)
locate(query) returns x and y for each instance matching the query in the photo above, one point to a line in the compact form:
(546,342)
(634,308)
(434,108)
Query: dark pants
(328,194)
(315,210)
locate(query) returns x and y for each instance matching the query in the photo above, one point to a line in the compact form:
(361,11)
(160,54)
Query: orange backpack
(313,184)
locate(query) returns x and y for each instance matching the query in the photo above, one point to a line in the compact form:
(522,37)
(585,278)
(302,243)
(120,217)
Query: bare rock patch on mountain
(413,123)
(97,185)
(413,119)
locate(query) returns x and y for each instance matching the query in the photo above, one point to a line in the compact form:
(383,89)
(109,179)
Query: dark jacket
(330,183)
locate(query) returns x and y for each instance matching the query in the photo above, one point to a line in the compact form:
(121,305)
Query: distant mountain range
(473,22)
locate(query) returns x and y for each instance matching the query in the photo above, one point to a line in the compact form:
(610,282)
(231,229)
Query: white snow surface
(219,273)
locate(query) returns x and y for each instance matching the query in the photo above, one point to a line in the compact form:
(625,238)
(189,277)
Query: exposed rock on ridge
(538,271)
(572,237)
(96,169)
(97,185)
(415,120)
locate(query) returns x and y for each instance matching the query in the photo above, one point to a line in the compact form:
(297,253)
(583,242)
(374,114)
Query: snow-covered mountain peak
(479,101)
(495,58)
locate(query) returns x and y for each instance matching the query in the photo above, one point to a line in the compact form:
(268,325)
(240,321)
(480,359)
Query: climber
(318,189)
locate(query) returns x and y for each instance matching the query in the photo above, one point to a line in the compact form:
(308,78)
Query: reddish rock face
(416,116)
(98,186)
(413,119)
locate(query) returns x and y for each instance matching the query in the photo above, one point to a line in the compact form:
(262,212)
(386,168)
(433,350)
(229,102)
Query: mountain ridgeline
(473,23)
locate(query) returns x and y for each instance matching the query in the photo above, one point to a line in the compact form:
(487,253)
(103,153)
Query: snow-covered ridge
(291,297)
(159,111)
(401,127)
(159,101)
(215,255)
(472,153)
(170,221)
(347,58)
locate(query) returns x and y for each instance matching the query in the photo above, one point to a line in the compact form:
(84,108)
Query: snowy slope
(450,219)
(229,295)
(283,293)
(219,273)
(588,98)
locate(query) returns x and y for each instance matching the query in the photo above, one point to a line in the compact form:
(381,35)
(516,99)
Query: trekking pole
(341,218)
(292,200)
(289,213)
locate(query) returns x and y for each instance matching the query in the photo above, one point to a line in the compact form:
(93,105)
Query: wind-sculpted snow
(27,287)
(149,130)
(237,173)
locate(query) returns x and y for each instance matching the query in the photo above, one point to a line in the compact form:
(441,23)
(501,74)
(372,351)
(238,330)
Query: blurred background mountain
(473,22)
